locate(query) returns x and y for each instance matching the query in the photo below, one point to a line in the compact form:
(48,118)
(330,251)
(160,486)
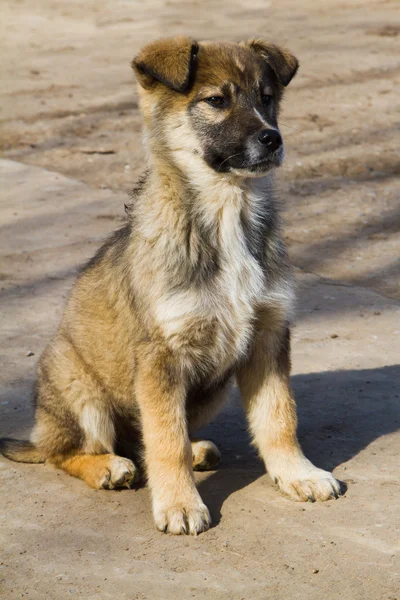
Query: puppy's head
(215,103)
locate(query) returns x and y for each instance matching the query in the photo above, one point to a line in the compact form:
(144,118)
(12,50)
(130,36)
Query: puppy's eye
(266,99)
(217,101)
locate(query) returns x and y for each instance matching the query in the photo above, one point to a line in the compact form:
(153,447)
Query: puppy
(194,289)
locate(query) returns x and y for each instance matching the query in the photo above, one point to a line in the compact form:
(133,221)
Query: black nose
(270,138)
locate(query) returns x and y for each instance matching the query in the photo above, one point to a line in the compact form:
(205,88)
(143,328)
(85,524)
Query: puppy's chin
(258,171)
(259,168)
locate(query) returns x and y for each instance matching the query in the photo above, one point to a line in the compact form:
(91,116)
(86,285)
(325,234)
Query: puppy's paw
(206,455)
(303,482)
(317,486)
(119,473)
(180,519)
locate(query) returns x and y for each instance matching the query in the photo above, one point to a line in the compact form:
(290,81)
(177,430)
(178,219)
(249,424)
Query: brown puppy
(195,288)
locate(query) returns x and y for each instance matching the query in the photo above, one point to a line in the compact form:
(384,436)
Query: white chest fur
(227,302)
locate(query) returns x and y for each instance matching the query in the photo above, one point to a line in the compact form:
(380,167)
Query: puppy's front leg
(271,411)
(177,505)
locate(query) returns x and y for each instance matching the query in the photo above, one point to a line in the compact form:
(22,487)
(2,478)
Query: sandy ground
(70,143)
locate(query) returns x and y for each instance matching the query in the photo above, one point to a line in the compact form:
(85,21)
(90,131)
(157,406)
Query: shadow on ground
(340,414)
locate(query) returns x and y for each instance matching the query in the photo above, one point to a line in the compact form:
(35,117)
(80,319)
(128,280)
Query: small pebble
(30,353)
(334,335)
(315,571)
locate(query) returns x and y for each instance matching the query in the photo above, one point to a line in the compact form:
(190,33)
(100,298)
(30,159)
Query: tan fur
(99,471)
(167,60)
(196,287)
(271,410)
(281,60)
(206,455)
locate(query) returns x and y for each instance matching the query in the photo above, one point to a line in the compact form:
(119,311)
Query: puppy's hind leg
(100,471)
(98,466)
(83,446)
(206,455)
(202,408)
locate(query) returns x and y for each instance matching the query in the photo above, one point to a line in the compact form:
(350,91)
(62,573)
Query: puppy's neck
(197,185)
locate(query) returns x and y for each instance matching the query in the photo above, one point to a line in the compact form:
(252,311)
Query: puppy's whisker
(288,126)
(229,157)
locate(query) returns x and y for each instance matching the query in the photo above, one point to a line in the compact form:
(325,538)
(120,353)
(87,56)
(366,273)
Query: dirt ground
(70,152)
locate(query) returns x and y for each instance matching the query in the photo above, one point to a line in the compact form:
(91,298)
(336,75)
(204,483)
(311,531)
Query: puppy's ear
(170,61)
(281,60)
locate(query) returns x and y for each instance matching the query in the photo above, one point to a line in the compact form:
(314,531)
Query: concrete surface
(69,134)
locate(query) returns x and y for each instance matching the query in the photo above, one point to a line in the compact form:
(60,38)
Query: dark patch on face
(232,142)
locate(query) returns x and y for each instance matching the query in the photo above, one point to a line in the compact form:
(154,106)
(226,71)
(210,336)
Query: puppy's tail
(21,451)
